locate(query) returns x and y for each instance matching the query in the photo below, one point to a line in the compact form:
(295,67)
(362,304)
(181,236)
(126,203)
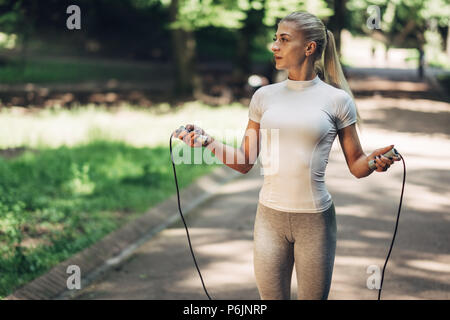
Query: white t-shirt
(299,121)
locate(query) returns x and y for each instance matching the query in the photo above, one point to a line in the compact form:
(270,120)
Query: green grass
(88,171)
(55,202)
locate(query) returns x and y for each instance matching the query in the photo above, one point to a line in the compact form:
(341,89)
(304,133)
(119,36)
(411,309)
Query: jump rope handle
(200,138)
(391,153)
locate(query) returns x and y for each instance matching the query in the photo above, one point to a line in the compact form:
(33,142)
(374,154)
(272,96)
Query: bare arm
(357,160)
(243,158)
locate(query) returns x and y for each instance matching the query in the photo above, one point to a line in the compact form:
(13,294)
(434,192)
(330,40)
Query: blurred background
(86,114)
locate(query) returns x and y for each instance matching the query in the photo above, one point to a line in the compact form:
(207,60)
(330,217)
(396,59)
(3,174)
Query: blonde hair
(326,60)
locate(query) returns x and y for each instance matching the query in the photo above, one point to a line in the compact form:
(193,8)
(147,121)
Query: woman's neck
(303,73)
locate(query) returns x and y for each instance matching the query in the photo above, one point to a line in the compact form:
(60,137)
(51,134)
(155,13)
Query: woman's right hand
(190,133)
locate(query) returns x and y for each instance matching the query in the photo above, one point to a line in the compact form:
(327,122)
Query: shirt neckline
(301,84)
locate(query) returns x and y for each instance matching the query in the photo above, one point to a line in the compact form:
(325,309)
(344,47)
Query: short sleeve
(255,110)
(346,114)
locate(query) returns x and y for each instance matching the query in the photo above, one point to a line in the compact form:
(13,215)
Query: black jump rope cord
(184,222)
(396,223)
(189,239)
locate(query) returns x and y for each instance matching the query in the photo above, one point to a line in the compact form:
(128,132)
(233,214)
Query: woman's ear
(310,48)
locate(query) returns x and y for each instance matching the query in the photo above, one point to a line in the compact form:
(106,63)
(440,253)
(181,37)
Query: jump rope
(203,139)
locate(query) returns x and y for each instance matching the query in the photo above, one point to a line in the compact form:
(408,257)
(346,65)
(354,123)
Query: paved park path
(397,110)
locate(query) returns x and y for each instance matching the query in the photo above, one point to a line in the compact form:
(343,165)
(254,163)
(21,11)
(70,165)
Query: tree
(186,16)
(403,22)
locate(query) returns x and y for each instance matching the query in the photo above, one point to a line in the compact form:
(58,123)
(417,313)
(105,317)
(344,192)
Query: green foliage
(11,15)
(195,14)
(55,202)
(275,9)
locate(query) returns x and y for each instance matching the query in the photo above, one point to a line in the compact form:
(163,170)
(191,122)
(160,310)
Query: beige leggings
(282,238)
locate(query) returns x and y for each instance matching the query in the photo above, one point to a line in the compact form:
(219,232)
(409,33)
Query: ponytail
(330,69)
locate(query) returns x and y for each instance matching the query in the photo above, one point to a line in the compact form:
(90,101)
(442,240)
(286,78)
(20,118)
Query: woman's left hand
(381,162)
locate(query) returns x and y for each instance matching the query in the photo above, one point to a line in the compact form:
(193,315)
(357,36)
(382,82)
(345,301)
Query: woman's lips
(277,58)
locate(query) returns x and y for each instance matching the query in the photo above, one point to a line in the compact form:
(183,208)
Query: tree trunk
(183,57)
(336,23)
(421,63)
(242,64)
(24,53)
(447,43)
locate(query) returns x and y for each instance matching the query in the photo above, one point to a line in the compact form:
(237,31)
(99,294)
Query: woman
(300,118)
